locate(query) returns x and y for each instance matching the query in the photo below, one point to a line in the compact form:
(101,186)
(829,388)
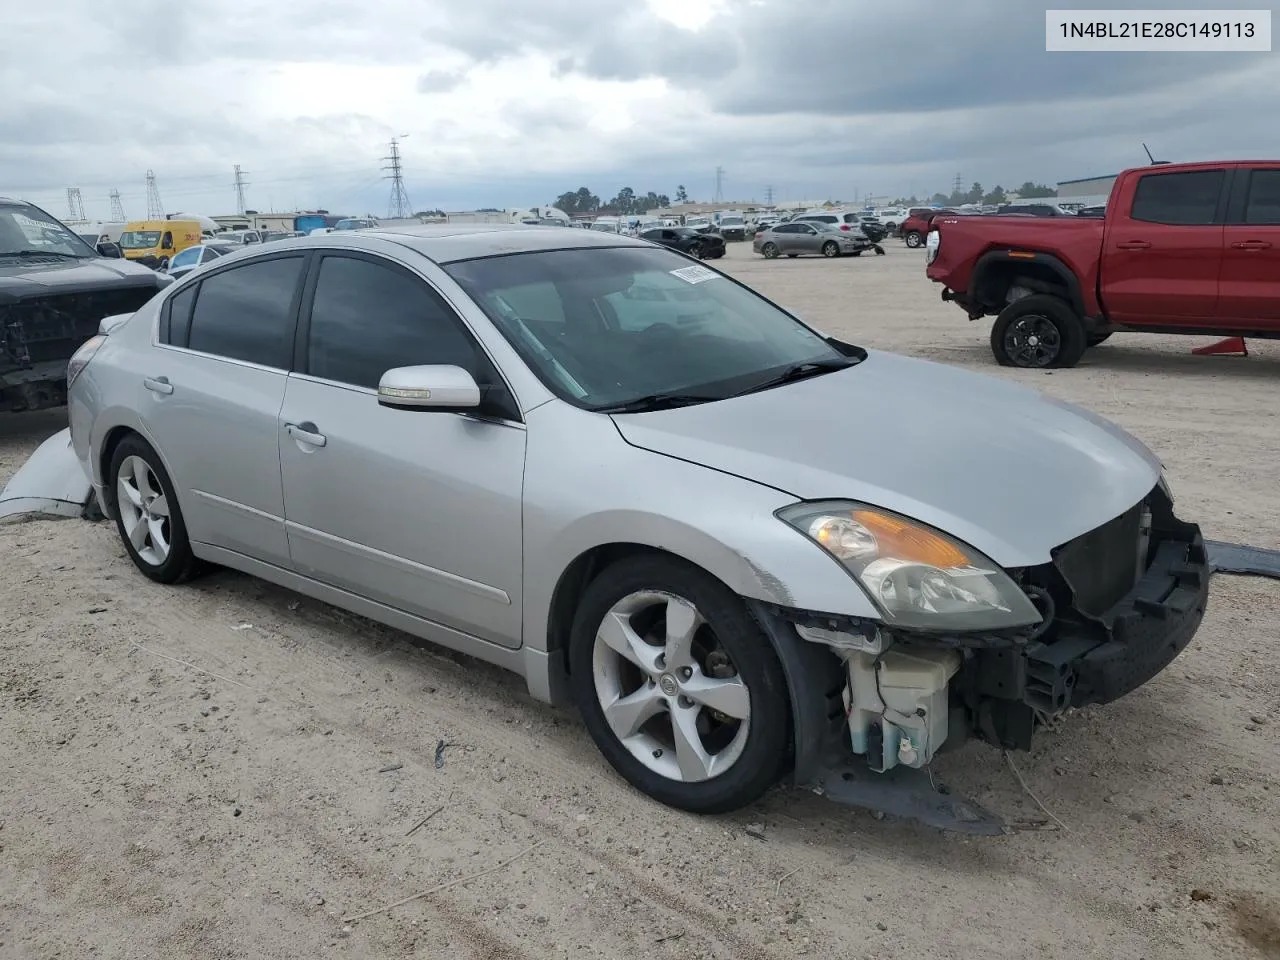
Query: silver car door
(809,239)
(419,510)
(211,397)
(787,237)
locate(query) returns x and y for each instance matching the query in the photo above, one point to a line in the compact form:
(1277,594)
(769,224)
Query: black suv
(54,291)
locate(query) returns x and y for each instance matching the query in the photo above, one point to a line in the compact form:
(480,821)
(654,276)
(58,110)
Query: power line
(399,205)
(117,207)
(240,184)
(155,208)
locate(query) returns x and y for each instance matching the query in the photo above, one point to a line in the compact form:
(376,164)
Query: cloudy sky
(511,102)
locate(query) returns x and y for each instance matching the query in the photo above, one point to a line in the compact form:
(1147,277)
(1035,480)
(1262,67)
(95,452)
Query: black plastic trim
(988,261)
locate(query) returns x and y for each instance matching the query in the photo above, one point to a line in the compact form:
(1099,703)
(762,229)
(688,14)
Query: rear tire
(1039,332)
(720,763)
(1097,338)
(769,251)
(148,517)
(914,239)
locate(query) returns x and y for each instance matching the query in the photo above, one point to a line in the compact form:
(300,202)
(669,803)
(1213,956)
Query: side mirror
(110,250)
(429,387)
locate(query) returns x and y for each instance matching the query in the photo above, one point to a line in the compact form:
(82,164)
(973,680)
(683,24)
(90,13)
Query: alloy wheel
(144,510)
(1033,341)
(668,690)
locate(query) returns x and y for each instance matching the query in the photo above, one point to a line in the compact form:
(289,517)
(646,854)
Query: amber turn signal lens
(904,541)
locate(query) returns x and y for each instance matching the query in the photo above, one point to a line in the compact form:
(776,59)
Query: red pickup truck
(1190,248)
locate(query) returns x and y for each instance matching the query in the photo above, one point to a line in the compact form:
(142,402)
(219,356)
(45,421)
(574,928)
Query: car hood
(20,280)
(1004,468)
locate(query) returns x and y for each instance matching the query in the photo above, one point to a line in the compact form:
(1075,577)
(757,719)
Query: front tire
(678,685)
(148,517)
(830,249)
(914,239)
(1038,332)
(1097,338)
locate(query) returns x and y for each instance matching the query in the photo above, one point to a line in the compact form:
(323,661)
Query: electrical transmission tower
(117,208)
(155,209)
(240,183)
(957,183)
(768,195)
(719,197)
(399,205)
(75,204)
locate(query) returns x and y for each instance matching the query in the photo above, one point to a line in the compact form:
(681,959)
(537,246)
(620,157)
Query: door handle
(158,385)
(1133,245)
(306,433)
(1251,245)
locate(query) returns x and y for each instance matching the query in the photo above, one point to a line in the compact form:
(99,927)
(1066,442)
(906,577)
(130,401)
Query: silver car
(795,238)
(747,551)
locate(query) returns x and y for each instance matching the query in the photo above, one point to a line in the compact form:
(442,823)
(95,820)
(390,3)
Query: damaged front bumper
(873,705)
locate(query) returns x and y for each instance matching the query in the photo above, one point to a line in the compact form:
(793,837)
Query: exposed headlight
(918,576)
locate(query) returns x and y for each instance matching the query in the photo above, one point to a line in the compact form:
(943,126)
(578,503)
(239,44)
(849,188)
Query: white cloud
(513,101)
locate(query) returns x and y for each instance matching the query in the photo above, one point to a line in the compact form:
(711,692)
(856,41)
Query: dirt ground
(228,770)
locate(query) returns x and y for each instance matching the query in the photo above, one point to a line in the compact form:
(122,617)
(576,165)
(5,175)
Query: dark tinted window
(656,234)
(244,313)
(1185,199)
(368,318)
(1263,205)
(180,317)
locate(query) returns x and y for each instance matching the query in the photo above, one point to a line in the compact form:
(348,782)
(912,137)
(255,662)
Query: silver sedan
(744,549)
(796,238)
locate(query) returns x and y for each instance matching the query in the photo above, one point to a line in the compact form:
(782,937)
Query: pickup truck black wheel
(1038,332)
(1097,338)
(914,239)
(769,250)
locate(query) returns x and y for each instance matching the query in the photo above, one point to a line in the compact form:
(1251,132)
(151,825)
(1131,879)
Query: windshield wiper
(799,371)
(38,253)
(659,401)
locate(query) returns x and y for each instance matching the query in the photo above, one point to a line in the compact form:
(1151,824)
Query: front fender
(599,490)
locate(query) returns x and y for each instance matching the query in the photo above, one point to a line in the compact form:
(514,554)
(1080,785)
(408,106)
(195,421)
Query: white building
(1087,188)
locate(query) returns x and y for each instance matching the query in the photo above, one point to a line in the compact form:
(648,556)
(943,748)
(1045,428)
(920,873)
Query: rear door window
(1263,203)
(247,313)
(1189,198)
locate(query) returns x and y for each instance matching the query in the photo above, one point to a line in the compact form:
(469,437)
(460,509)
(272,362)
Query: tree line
(976,194)
(583,201)
(627,201)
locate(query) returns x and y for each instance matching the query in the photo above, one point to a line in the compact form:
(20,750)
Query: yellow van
(155,242)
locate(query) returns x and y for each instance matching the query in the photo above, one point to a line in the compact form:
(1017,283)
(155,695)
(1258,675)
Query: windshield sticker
(694,274)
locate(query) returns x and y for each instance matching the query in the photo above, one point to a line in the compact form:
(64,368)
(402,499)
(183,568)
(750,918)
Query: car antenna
(1154,161)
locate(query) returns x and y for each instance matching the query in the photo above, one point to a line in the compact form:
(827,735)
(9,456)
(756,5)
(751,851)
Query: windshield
(697,222)
(607,326)
(731,221)
(605,227)
(139,239)
(27,229)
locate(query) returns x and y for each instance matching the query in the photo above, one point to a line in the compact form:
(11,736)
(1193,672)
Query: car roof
(449,243)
